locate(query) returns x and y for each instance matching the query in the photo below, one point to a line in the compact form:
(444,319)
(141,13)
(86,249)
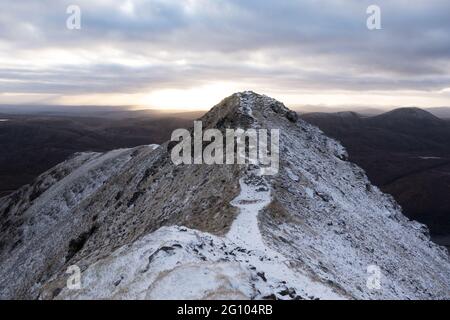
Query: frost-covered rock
(141,228)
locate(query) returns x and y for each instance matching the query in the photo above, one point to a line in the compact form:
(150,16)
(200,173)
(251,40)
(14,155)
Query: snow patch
(277,269)
(252,199)
(292,175)
(247,99)
(153,146)
(180,263)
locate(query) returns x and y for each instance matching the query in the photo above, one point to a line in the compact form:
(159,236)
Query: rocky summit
(140,227)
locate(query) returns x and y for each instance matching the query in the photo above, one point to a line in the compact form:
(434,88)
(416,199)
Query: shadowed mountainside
(406,152)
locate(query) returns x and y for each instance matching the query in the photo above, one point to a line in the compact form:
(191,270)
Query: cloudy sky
(191,54)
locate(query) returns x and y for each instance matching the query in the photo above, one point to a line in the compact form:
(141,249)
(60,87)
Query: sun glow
(196,98)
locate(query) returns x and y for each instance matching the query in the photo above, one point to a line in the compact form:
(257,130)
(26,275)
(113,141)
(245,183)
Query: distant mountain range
(34,140)
(406,152)
(440,112)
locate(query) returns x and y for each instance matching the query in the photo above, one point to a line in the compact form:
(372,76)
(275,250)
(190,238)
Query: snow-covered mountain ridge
(140,227)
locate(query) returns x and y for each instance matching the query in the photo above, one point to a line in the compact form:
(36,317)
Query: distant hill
(33,143)
(306,109)
(406,152)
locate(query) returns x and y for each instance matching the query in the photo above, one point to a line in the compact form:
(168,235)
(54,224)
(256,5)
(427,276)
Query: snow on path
(180,263)
(244,230)
(247,101)
(245,233)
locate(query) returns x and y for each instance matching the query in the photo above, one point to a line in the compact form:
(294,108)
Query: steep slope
(406,153)
(140,227)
